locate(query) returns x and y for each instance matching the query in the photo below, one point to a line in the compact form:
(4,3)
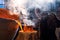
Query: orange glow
(27,28)
(4,13)
(19,23)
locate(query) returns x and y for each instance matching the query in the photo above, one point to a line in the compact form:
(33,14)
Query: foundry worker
(48,26)
(43,15)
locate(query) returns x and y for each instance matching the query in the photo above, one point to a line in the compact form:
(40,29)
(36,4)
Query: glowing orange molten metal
(27,28)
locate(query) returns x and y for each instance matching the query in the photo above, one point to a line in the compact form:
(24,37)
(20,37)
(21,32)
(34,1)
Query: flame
(27,28)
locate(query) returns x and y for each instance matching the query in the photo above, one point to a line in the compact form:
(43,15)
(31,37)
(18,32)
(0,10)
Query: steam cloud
(21,7)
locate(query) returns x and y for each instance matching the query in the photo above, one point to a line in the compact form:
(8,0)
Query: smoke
(21,7)
(44,5)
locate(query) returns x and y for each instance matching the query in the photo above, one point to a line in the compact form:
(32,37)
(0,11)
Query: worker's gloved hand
(4,13)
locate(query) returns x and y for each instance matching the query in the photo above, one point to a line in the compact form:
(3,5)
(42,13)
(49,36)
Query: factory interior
(29,19)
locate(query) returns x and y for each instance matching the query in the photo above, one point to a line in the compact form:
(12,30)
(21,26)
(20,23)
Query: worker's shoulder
(45,17)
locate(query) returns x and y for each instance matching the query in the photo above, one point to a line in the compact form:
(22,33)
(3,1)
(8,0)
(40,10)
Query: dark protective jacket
(47,29)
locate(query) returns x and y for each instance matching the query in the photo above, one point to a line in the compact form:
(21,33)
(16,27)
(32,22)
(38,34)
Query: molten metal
(19,23)
(27,28)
